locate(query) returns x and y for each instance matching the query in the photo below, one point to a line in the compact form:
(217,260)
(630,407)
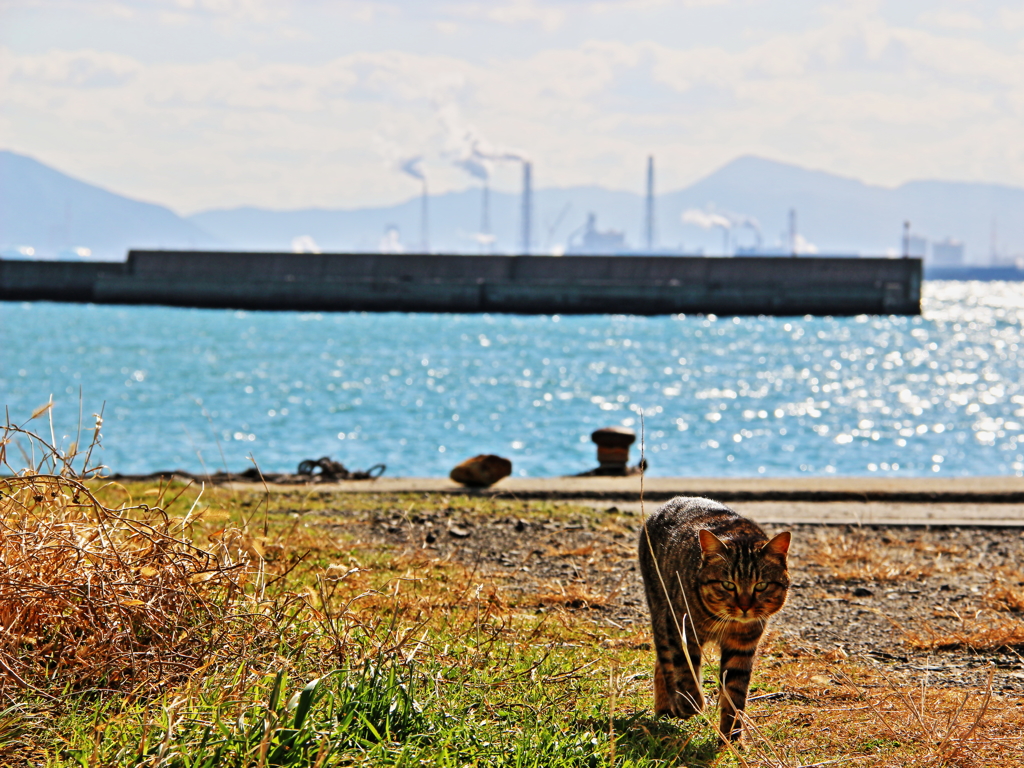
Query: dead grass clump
(863,555)
(98,597)
(94,596)
(1006,592)
(571,596)
(978,633)
(857,712)
(939,726)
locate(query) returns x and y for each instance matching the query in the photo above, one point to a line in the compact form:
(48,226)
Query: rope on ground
(335,470)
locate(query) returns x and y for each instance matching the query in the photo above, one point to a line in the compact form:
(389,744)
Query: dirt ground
(944,604)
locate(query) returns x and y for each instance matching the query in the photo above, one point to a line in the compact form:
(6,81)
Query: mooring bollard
(613,449)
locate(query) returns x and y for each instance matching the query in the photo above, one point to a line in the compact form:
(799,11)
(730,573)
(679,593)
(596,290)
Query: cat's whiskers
(719,628)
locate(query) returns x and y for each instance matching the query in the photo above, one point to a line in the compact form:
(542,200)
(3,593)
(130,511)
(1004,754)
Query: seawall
(646,285)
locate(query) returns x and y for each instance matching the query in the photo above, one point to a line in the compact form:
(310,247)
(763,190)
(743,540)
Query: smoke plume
(412,166)
(468,149)
(724,219)
(396,160)
(705,219)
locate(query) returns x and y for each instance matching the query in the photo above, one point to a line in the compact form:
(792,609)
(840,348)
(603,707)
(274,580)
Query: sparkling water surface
(935,395)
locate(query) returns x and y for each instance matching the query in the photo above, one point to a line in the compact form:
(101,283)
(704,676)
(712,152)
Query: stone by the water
(481,471)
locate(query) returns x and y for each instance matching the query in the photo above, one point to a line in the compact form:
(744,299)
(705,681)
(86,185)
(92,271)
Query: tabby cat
(716,576)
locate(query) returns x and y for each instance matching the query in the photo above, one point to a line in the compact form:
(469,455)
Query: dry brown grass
(858,555)
(570,595)
(859,714)
(1006,591)
(116,597)
(93,596)
(990,625)
(978,632)
(866,554)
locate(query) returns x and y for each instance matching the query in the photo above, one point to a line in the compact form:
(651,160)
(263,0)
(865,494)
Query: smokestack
(792,232)
(424,221)
(485,209)
(527,205)
(906,239)
(649,213)
(993,255)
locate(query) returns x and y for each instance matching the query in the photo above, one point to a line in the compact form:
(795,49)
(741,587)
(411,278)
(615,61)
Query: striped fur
(714,575)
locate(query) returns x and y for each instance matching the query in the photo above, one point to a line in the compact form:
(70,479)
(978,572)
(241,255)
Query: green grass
(535,707)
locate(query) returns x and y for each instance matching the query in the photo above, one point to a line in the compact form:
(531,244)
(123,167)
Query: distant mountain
(53,215)
(43,208)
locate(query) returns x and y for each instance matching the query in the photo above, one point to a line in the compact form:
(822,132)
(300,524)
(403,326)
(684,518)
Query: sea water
(936,395)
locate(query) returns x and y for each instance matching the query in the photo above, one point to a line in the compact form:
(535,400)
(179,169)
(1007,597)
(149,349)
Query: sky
(200,104)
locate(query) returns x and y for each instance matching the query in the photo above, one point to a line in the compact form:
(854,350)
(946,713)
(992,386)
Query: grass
(1006,591)
(864,555)
(992,624)
(987,634)
(290,639)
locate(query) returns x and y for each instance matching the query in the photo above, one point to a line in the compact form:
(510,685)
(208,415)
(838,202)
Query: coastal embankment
(639,285)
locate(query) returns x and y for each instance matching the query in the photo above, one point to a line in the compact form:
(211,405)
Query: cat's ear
(779,545)
(709,543)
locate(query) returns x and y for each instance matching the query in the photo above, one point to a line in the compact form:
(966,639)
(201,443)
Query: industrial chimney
(649,212)
(527,205)
(485,209)
(424,225)
(792,232)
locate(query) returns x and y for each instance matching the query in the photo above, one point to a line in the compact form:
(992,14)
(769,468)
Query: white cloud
(948,19)
(71,69)
(848,89)
(519,11)
(1012,18)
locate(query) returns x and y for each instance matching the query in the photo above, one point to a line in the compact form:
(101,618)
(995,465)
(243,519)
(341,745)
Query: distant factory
(740,234)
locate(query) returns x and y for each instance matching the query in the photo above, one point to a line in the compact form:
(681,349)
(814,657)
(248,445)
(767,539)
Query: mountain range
(48,214)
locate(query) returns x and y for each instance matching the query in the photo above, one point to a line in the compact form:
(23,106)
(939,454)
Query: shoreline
(985,490)
(975,501)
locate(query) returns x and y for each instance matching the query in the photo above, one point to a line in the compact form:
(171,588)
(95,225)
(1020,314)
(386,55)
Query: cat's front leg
(734,678)
(677,683)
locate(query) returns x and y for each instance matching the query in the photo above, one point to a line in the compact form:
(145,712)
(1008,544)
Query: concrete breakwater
(644,285)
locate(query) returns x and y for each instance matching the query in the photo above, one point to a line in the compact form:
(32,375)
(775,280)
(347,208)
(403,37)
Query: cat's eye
(729,586)
(761,586)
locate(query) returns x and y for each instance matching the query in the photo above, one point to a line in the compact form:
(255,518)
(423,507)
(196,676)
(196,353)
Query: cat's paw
(734,736)
(682,708)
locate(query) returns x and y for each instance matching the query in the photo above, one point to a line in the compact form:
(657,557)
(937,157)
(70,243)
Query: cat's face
(741,582)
